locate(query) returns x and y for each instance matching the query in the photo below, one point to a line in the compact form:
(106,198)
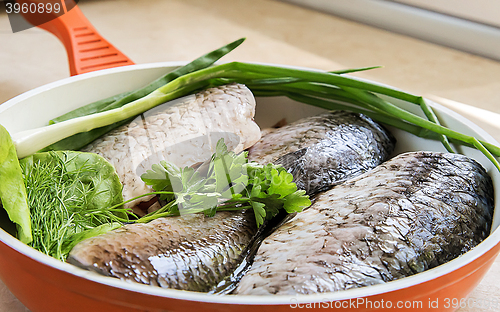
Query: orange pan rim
(469,257)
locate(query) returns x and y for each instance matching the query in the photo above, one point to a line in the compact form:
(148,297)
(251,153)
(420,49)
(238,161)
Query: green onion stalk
(329,90)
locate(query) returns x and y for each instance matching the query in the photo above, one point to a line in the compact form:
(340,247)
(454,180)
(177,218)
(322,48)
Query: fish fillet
(184,132)
(410,214)
(191,252)
(324,150)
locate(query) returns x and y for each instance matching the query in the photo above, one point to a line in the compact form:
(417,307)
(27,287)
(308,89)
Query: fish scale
(166,253)
(324,150)
(403,217)
(183,132)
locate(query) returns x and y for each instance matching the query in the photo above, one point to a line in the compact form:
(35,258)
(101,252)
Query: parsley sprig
(227,182)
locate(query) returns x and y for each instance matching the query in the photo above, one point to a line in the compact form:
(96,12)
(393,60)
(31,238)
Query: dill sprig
(65,200)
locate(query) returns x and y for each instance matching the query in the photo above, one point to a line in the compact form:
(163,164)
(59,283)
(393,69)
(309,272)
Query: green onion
(79,140)
(329,90)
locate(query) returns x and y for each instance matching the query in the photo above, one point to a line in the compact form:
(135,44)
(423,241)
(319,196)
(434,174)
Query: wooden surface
(181,30)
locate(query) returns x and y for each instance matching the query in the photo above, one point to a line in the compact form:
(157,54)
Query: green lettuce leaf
(12,189)
(69,195)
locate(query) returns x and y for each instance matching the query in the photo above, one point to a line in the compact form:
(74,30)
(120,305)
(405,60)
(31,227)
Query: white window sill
(461,34)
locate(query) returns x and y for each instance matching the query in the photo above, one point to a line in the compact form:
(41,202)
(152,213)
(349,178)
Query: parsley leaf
(227,182)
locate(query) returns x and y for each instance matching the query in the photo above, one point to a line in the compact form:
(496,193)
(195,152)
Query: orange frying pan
(47,284)
(87,49)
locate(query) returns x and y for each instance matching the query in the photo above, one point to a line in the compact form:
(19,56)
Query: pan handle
(87,50)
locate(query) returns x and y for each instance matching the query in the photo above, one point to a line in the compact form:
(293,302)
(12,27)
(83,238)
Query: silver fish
(325,150)
(184,132)
(412,213)
(190,252)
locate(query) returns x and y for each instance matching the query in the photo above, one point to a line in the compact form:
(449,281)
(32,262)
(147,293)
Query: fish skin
(327,149)
(410,214)
(190,252)
(184,132)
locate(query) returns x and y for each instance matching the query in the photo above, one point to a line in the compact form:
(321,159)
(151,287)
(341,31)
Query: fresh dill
(66,197)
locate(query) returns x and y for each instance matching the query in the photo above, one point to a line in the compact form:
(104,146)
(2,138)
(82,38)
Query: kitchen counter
(276,32)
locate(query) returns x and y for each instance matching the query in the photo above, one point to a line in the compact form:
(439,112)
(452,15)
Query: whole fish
(184,132)
(410,214)
(193,252)
(327,149)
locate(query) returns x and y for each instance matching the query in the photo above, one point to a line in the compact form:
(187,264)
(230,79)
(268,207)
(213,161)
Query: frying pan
(46,284)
